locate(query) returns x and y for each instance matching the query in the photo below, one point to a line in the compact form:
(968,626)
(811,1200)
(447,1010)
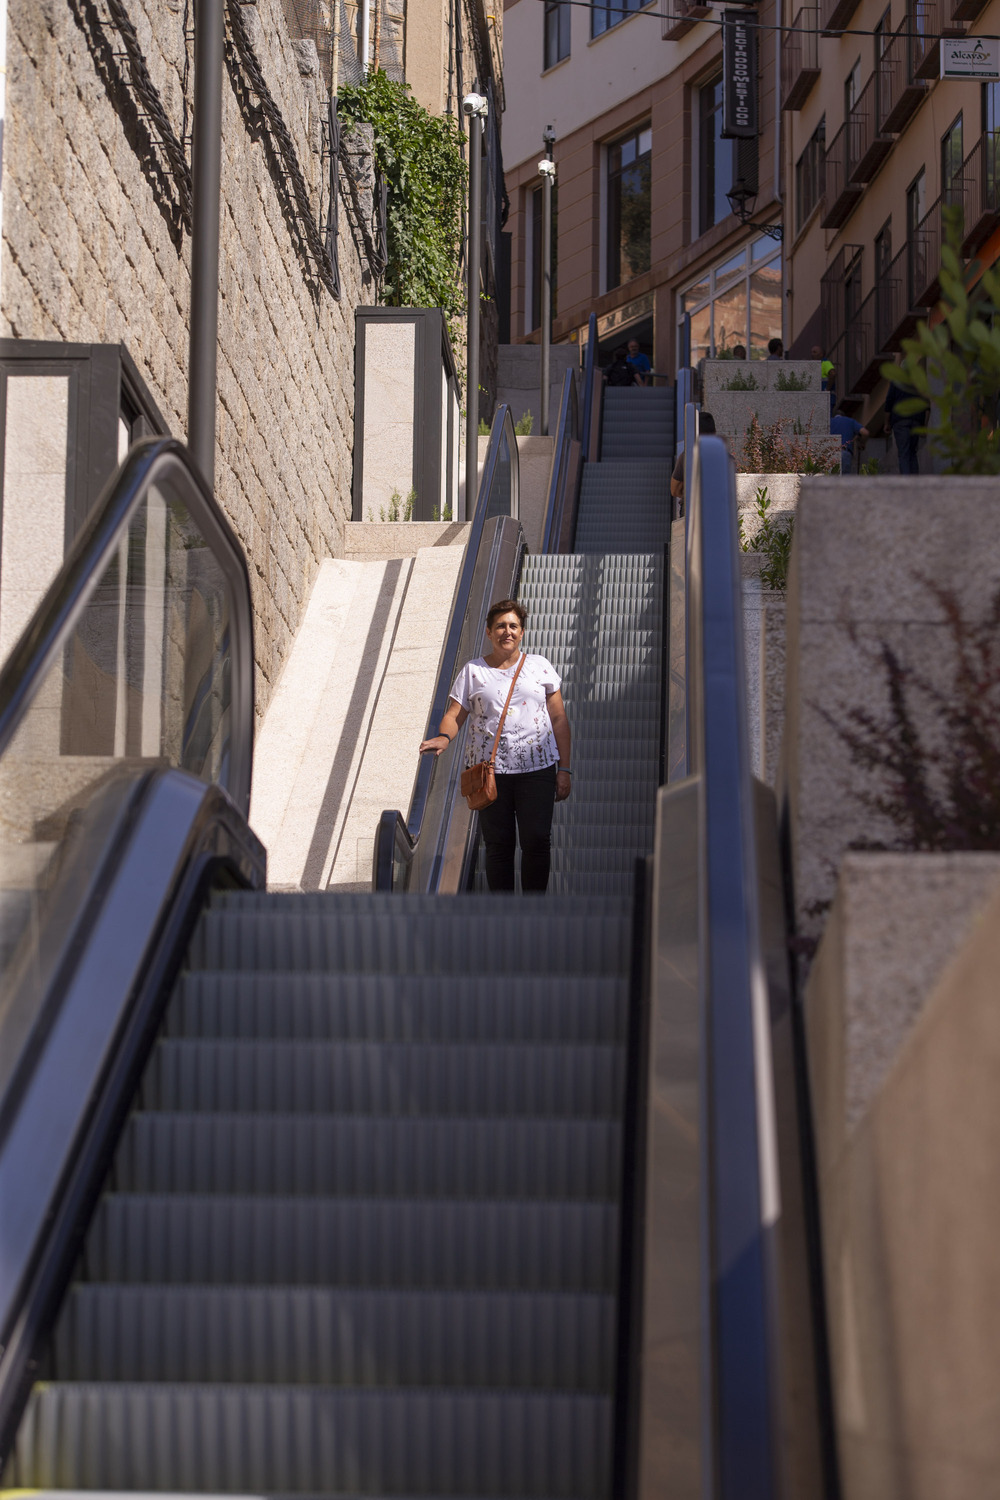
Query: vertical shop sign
(739,75)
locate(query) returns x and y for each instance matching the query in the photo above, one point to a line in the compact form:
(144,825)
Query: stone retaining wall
(90,256)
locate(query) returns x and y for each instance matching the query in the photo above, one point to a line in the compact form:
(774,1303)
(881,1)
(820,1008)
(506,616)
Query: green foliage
(484,428)
(871,466)
(954,367)
(773,538)
(399,509)
(445,517)
(524,426)
(792,382)
(420,158)
(741,382)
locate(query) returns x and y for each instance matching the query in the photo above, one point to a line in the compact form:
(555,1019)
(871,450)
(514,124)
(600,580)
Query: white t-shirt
(528,743)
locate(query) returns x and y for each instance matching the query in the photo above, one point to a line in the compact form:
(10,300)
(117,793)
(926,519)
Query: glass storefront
(737,302)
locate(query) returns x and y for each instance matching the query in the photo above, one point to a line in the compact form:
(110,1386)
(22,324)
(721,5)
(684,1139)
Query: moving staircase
(364,1223)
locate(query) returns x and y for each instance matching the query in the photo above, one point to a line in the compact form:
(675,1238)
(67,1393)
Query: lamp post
(547,169)
(206,183)
(476,108)
(742,201)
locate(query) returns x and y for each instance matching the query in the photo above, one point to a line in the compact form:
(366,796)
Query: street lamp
(476,107)
(547,169)
(742,201)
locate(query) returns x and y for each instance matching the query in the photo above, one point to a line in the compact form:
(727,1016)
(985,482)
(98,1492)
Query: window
(852,88)
(604,16)
(883,35)
(991,130)
(916,249)
(737,302)
(557,21)
(951,163)
(628,206)
(883,251)
(916,34)
(715,158)
(809,175)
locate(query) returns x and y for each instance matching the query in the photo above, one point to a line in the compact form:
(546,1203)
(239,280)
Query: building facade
(878,144)
(644,233)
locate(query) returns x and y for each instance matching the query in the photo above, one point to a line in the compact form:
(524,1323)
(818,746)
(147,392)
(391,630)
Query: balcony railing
(682,16)
(927,22)
(831,288)
(895,313)
(860,358)
(866,148)
(899,92)
(841,192)
(800,58)
(980,186)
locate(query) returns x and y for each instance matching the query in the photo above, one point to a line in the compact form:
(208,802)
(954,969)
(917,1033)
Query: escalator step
(267,1439)
(398,1007)
(299,938)
(375,1078)
(357,1156)
(314,1336)
(567,1246)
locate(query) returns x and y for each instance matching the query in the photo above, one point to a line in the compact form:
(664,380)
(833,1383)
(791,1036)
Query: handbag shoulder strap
(496,737)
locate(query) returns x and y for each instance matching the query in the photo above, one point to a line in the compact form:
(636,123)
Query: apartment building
(644,232)
(878,144)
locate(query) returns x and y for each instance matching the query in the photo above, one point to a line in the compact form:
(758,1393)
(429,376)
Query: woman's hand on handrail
(454,717)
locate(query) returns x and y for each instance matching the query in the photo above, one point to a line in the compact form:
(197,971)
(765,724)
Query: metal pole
(475,111)
(365,15)
(206,182)
(548,172)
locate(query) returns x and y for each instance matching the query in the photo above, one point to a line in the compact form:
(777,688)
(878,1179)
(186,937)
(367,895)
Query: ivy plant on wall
(420,158)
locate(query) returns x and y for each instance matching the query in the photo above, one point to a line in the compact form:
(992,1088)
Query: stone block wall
(93,252)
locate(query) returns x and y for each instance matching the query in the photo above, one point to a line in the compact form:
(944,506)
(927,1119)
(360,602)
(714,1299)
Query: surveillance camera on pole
(547,171)
(476,108)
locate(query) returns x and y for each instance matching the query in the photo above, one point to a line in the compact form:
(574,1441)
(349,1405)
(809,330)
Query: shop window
(628,185)
(737,302)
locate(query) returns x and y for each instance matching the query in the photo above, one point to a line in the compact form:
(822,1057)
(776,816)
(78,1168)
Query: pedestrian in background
(902,427)
(638,363)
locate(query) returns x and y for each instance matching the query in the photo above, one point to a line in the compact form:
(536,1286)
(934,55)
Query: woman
(532,763)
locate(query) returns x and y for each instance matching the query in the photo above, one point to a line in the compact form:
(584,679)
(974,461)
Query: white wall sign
(970,57)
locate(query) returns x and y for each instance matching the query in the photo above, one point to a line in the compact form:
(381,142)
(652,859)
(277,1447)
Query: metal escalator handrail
(567,433)
(740,1171)
(589,373)
(66,598)
(396,836)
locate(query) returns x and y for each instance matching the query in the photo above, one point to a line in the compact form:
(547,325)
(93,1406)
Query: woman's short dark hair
(706,422)
(506,607)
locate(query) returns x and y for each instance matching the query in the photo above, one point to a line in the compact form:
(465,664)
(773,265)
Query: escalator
(365,1194)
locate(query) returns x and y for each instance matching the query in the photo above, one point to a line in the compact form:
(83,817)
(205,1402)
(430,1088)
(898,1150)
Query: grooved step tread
(346,1337)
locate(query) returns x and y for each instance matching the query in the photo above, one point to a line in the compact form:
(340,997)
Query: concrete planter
(903,1034)
(863,552)
(718,373)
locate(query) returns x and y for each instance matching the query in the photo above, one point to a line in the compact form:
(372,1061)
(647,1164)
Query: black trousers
(526,800)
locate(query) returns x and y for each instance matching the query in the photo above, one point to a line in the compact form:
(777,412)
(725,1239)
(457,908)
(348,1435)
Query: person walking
(902,427)
(533,757)
(619,371)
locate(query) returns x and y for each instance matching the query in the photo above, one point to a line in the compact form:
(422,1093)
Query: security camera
(475,104)
(547,167)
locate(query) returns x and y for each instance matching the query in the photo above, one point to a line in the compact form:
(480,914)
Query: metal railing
(867,148)
(572,446)
(800,58)
(126,740)
(723,1265)
(593,388)
(840,193)
(431,849)
(900,92)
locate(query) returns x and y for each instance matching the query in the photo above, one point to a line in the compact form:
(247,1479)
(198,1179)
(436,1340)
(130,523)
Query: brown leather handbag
(479,783)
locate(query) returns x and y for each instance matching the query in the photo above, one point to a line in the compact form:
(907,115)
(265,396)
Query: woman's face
(506,631)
